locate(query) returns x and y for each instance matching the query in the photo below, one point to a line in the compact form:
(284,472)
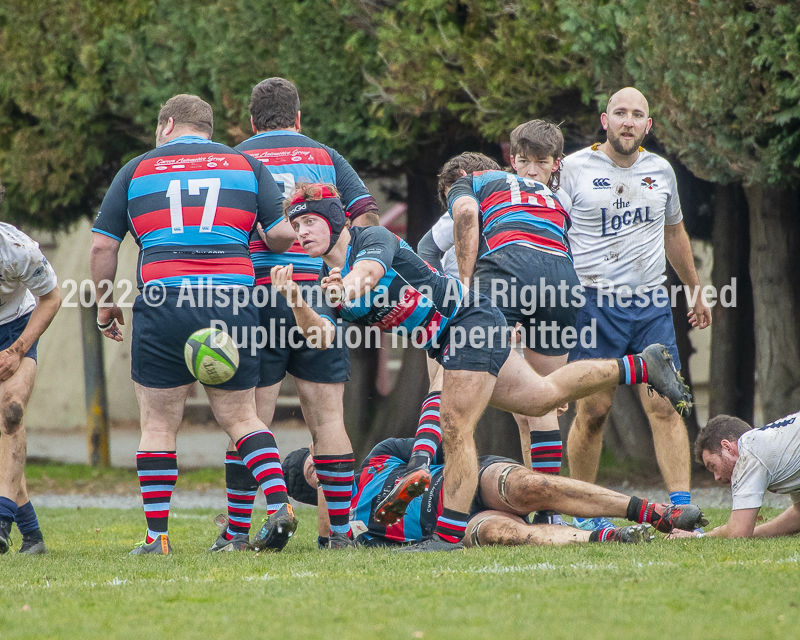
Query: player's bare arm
(742,524)
(679,253)
(103,269)
(278,238)
(311,324)
(41,317)
(466,234)
(786,524)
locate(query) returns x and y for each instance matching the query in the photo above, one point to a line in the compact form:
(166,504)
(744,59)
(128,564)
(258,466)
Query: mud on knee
(12,413)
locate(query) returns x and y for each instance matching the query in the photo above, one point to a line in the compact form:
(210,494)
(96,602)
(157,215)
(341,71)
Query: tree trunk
(775,273)
(733,340)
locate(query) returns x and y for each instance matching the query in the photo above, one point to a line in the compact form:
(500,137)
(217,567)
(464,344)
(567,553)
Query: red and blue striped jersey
(379,472)
(514,210)
(410,294)
(191,205)
(293,158)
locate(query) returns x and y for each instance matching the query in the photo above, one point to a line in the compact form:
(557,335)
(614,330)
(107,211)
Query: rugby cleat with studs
(663,377)
(632,534)
(666,517)
(239,541)
(277,530)
(159,546)
(393,507)
(434,543)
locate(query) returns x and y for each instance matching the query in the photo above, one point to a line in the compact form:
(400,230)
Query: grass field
(88,587)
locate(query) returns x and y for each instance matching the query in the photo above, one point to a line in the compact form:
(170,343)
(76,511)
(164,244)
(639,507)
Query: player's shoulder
(581,157)
(15,245)
(489,175)
(652,161)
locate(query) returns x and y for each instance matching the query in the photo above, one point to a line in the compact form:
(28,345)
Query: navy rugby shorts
(621,331)
(279,357)
(523,268)
(160,333)
(11,331)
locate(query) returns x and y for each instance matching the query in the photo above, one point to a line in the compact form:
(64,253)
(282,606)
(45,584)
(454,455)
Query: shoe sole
(394,505)
(284,530)
(656,359)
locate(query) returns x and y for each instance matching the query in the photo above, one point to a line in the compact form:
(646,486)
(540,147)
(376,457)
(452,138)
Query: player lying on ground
(507,491)
(373,278)
(754,461)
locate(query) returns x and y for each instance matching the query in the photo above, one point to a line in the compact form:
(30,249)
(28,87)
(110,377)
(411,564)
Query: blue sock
(26,519)
(8,509)
(680,497)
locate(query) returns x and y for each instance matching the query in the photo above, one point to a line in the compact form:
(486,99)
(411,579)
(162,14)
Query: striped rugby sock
(260,453)
(450,525)
(428,438)
(632,370)
(158,473)
(335,475)
(609,534)
(546,451)
(241,487)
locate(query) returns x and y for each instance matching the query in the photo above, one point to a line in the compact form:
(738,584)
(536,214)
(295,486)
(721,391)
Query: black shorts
(279,357)
(160,333)
(11,331)
(513,278)
(484,462)
(476,338)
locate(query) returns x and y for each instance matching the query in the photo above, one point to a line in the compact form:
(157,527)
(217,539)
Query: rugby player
(319,376)
(29,300)
(190,204)
(626,219)
(536,150)
(373,278)
(754,461)
(507,491)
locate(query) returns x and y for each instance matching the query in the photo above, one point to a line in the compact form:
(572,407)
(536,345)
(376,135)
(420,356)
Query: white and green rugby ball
(211,356)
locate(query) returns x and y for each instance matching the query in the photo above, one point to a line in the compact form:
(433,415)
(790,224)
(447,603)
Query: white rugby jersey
(24,273)
(769,460)
(442,233)
(618,217)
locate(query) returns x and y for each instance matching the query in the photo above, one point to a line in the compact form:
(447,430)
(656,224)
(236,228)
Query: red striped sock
(450,525)
(158,473)
(335,475)
(260,453)
(546,451)
(428,439)
(241,488)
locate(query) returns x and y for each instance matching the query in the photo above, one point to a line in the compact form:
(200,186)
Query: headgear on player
(323,202)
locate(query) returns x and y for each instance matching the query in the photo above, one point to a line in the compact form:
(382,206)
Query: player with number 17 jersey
(190,204)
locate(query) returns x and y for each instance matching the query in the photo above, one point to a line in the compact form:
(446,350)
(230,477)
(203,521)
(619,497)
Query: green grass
(56,477)
(88,587)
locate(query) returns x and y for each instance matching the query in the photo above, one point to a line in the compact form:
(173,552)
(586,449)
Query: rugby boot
(159,546)
(33,545)
(666,517)
(239,541)
(592,524)
(393,507)
(663,377)
(340,541)
(5,535)
(632,534)
(434,543)
(277,530)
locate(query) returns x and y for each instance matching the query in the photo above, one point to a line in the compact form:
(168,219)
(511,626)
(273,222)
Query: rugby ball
(211,356)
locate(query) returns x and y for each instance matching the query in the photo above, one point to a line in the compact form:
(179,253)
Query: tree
(724,80)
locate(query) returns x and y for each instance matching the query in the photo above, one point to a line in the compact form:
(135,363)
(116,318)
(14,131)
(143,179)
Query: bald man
(626,221)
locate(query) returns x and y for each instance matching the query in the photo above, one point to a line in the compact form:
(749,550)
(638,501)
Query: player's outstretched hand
(700,315)
(333,285)
(10,360)
(112,314)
